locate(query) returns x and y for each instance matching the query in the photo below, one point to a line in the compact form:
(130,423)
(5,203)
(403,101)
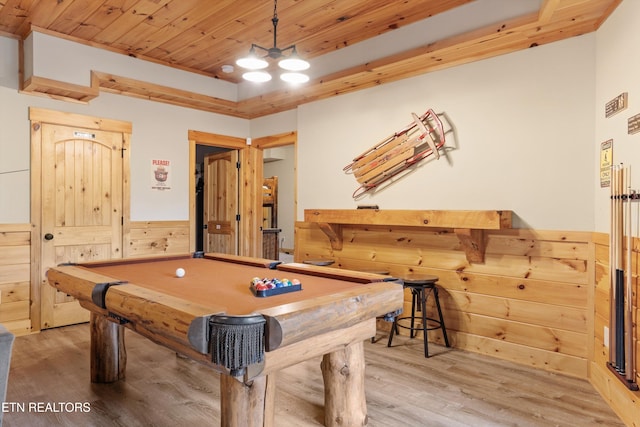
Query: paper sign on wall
(606,160)
(160,174)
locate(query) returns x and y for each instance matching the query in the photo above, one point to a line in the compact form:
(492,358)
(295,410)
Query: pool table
(211,315)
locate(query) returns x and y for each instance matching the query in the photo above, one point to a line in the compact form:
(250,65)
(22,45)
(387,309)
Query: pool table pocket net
(235,342)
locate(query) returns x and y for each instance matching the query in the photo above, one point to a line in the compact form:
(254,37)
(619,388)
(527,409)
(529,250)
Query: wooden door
(81,208)
(221,202)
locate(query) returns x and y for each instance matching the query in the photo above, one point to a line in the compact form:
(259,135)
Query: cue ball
(180,272)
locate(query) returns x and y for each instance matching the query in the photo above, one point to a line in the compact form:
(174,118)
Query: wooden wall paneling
(620,399)
(14,254)
(541,268)
(528,290)
(624,402)
(15,235)
(148,238)
(589,312)
(527,302)
(515,310)
(506,255)
(538,358)
(529,335)
(15,275)
(514,244)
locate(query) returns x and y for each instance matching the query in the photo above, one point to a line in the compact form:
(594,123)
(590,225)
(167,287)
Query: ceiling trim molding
(556,20)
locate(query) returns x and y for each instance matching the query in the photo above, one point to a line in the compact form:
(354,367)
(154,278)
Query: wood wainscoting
(15,288)
(149,238)
(540,298)
(528,302)
(624,402)
(145,238)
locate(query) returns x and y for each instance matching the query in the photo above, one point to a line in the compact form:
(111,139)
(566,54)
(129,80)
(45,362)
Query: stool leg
(423,302)
(414,303)
(444,329)
(394,328)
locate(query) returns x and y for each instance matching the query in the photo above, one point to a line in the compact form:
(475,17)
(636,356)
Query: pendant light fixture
(292,64)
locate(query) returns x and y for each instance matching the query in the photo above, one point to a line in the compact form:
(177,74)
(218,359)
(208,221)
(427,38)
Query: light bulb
(257,76)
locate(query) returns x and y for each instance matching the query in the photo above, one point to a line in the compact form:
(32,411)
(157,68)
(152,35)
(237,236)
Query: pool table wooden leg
(344,395)
(247,405)
(108,353)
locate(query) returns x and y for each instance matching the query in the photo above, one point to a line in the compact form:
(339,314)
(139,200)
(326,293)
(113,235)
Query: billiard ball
(180,272)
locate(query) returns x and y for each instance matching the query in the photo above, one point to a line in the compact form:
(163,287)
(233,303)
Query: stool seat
(421,287)
(420,280)
(319,262)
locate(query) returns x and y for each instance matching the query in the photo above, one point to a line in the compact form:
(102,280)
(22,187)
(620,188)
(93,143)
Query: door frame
(37,116)
(250,189)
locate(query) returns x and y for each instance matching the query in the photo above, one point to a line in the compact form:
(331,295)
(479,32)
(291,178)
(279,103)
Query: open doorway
(279,216)
(250,195)
(249,170)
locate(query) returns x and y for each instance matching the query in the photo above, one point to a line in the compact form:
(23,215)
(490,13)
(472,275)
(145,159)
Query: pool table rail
(335,273)
(239,259)
(300,320)
(160,314)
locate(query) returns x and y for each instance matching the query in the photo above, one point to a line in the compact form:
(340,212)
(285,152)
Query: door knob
(48,236)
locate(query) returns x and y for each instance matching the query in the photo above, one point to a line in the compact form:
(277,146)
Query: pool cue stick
(611,244)
(619,273)
(621,352)
(612,215)
(619,292)
(612,266)
(628,312)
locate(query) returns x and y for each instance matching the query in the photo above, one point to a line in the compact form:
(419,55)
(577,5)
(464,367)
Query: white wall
(71,62)
(617,71)
(284,169)
(159,131)
(527,129)
(523,138)
(14,147)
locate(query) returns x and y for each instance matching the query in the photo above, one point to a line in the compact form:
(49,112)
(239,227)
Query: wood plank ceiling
(203,35)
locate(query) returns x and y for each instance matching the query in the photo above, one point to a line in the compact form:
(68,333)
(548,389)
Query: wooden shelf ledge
(469,226)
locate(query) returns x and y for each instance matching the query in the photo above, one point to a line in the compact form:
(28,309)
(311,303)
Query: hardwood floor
(452,388)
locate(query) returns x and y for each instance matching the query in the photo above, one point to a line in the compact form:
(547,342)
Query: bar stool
(421,287)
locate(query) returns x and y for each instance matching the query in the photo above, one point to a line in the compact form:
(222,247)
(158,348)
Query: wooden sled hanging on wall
(398,152)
